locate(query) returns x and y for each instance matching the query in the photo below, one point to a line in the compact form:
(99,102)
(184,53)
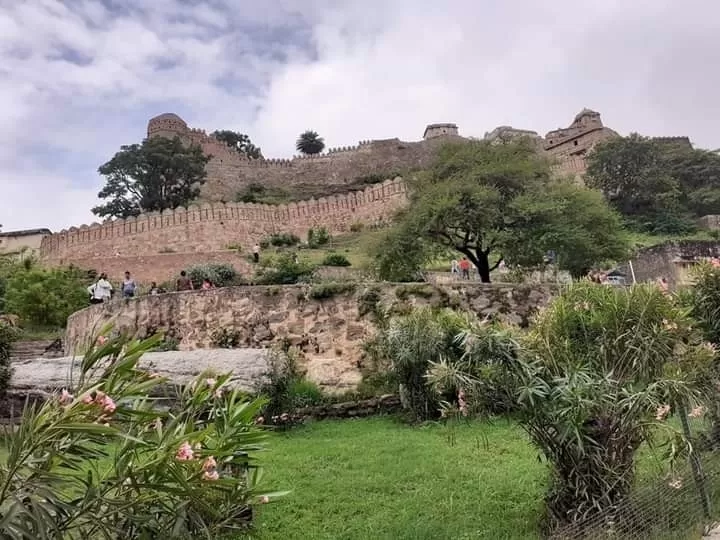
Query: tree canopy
(239,142)
(495,202)
(156,175)
(310,143)
(657,186)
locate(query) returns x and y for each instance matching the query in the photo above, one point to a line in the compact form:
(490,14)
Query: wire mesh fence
(683,504)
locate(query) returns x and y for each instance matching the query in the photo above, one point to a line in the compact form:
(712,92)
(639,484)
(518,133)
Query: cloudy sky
(78,78)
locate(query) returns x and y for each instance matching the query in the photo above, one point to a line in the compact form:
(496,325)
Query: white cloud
(78,80)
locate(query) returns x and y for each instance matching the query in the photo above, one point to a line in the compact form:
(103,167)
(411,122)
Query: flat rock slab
(180,367)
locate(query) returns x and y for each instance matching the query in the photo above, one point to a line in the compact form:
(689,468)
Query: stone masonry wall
(330,331)
(212,227)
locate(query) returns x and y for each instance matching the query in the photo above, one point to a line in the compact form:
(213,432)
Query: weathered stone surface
(330,331)
(179,367)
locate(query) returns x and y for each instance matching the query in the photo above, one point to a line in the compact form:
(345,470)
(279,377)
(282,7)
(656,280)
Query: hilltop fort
(360,184)
(342,169)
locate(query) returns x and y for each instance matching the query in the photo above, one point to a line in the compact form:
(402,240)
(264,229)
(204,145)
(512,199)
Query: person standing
(465,268)
(184,283)
(128,286)
(101,290)
(256,253)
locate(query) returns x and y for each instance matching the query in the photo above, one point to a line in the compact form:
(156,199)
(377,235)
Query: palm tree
(310,143)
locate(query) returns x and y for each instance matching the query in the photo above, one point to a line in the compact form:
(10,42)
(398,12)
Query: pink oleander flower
(662,412)
(210,382)
(108,404)
(260,420)
(675,484)
(264,499)
(284,417)
(185,452)
(462,404)
(697,412)
(65,397)
(218,393)
(87,399)
(209,464)
(210,475)
(102,340)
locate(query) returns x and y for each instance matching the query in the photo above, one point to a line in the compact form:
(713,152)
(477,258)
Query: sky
(80,78)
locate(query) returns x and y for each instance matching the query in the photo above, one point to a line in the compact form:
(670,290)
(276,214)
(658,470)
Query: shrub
(285,388)
(283,239)
(330,289)
(219,274)
(100,461)
(318,237)
(45,297)
(285,269)
(8,335)
(412,343)
(168,343)
(357,227)
(600,365)
(226,338)
(335,259)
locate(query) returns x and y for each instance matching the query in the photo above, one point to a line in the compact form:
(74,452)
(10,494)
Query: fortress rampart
(210,227)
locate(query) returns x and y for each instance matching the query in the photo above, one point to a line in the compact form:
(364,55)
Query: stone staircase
(29,350)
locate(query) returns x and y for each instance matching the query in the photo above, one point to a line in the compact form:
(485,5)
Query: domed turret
(167,125)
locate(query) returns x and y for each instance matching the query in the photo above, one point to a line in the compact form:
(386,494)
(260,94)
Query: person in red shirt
(465,268)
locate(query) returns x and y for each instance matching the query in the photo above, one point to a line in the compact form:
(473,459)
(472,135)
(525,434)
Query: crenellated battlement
(208,227)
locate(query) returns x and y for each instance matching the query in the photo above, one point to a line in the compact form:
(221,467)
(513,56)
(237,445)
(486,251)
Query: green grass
(377,478)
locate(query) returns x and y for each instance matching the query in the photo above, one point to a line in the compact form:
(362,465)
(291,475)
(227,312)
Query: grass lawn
(377,478)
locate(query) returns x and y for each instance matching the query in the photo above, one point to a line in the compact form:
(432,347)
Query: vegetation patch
(326,290)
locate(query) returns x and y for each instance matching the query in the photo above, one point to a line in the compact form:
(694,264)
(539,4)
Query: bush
(219,274)
(602,367)
(283,239)
(286,389)
(330,289)
(101,461)
(8,335)
(318,237)
(225,338)
(283,270)
(357,227)
(335,259)
(412,343)
(45,297)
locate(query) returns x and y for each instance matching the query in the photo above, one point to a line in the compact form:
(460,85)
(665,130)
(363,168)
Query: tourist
(465,268)
(184,283)
(154,289)
(100,291)
(207,284)
(454,268)
(256,253)
(128,286)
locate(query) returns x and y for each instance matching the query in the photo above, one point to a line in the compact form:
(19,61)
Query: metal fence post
(695,464)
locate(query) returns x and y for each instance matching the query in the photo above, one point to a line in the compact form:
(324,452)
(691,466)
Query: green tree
(657,186)
(310,143)
(478,200)
(156,175)
(239,142)
(45,297)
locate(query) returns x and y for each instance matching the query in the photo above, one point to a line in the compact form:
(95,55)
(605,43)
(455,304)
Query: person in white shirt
(101,290)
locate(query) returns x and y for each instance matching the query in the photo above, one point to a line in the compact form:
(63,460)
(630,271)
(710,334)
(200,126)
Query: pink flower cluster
(66,398)
(662,412)
(185,452)
(697,412)
(210,469)
(462,404)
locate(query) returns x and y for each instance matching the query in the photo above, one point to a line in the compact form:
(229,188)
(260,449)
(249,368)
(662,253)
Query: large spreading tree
(658,186)
(494,202)
(156,175)
(239,142)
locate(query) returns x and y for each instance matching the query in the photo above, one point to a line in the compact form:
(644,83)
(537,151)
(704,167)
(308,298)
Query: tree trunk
(483,266)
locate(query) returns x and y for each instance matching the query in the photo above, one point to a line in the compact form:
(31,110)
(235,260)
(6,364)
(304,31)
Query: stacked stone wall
(211,227)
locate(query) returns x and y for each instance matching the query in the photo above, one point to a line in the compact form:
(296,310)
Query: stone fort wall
(210,227)
(228,172)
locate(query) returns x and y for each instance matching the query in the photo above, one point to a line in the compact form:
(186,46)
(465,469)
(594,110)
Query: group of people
(103,291)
